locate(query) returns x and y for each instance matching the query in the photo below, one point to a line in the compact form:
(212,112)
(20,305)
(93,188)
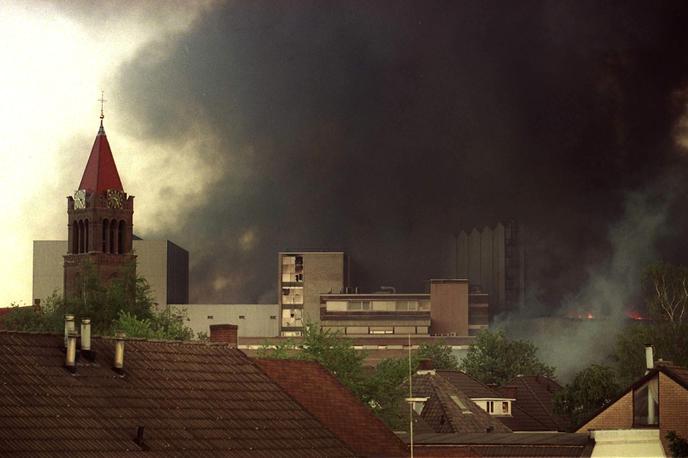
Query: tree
(440,354)
(677,445)
(125,303)
(493,358)
(326,347)
(167,324)
(383,390)
(665,287)
(386,390)
(665,291)
(590,389)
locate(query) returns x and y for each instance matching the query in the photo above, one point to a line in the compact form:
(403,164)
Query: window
(505,407)
(490,407)
(358,306)
(292,318)
(273,317)
(210,317)
(464,409)
(403,306)
(646,404)
(242,317)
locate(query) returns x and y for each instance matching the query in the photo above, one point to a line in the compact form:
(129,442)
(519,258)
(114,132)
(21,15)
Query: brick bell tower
(100,220)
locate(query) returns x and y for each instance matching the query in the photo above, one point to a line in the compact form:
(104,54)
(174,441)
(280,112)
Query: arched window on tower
(120,237)
(75,237)
(113,239)
(86,237)
(81,236)
(106,233)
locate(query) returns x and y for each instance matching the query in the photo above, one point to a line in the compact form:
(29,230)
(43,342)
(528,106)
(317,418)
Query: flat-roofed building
(253,320)
(450,309)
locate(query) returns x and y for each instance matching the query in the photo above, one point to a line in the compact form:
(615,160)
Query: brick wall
(673,408)
(224,333)
(617,416)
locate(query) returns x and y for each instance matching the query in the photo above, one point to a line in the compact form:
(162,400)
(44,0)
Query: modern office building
(450,309)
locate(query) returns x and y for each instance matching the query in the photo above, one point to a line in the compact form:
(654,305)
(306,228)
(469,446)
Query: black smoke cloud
(379,128)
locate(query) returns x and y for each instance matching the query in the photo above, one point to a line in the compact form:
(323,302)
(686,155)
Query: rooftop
(100,173)
(449,410)
(534,408)
(191,399)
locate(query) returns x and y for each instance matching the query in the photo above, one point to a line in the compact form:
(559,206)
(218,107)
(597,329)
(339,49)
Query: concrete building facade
(494,259)
(254,320)
(163,263)
(301,278)
(449,310)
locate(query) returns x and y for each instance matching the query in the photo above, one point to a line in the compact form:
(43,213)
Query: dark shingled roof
(319,392)
(468,385)
(534,407)
(194,399)
(506,444)
(448,410)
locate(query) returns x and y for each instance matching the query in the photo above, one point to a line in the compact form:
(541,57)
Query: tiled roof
(448,410)
(192,399)
(533,409)
(506,444)
(344,414)
(100,173)
(469,386)
(678,373)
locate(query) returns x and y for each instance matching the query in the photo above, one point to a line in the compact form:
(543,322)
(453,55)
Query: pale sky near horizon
(56,58)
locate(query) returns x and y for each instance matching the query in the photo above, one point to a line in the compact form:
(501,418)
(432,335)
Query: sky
(377,128)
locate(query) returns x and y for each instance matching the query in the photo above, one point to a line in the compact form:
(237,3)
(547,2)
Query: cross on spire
(102,103)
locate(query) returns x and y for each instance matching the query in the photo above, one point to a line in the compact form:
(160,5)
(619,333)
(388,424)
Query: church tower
(100,221)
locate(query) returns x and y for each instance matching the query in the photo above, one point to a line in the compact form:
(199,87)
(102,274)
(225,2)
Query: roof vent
(68,326)
(70,354)
(119,353)
(86,339)
(649,357)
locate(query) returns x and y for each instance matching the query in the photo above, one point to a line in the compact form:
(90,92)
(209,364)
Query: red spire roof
(101,172)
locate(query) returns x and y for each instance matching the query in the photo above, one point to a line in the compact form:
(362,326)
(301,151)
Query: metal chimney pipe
(70,356)
(649,357)
(119,352)
(69,327)
(86,334)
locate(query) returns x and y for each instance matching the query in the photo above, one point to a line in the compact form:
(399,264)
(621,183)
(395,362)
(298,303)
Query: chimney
(70,354)
(425,367)
(68,327)
(509,391)
(119,353)
(226,333)
(425,364)
(86,334)
(649,357)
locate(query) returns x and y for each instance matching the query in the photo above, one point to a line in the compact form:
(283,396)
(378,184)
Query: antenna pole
(410,394)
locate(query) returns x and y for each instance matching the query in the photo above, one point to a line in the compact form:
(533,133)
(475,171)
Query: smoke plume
(380,129)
